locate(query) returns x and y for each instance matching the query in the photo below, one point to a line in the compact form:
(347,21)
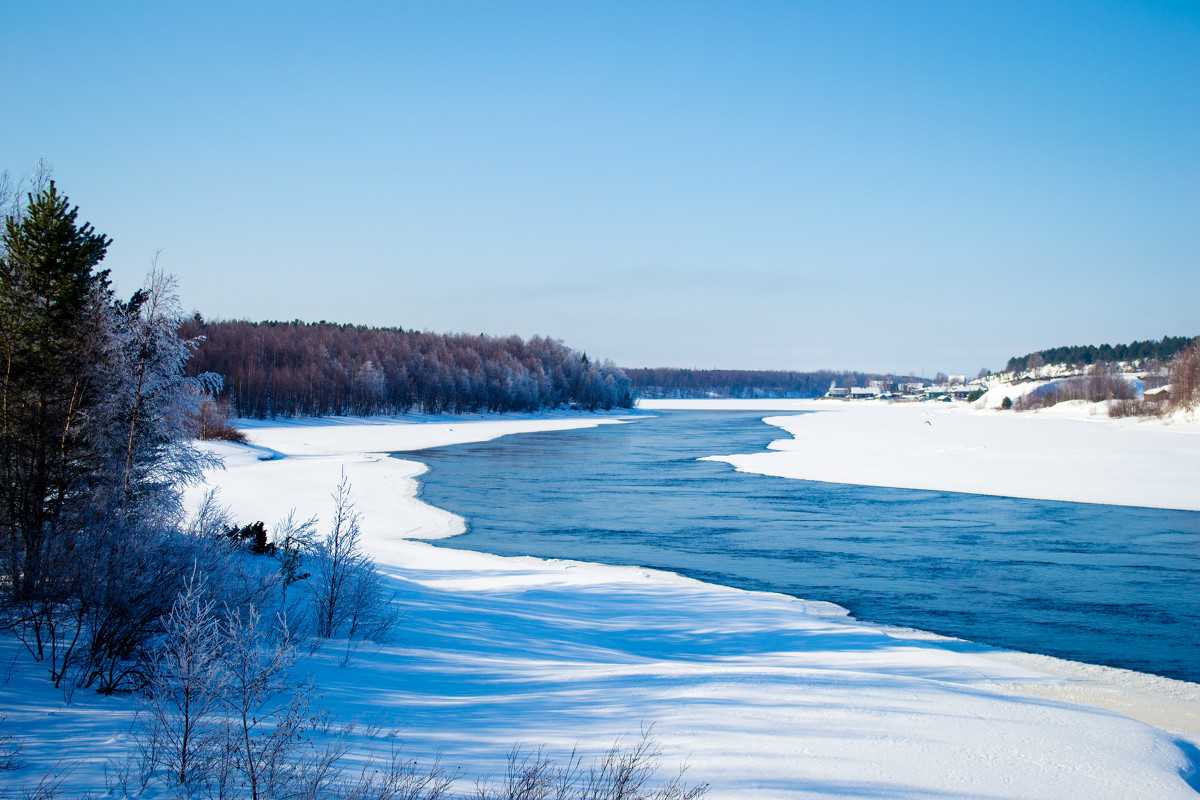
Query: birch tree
(152,402)
(182,713)
(336,563)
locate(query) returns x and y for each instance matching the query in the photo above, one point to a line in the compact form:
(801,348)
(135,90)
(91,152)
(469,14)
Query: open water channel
(1100,584)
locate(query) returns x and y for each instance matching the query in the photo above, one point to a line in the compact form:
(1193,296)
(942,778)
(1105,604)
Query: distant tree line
(282,369)
(662,382)
(1103,382)
(1085,355)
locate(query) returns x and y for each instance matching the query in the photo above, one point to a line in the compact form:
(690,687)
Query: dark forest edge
(1143,352)
(671,382)
(289,369)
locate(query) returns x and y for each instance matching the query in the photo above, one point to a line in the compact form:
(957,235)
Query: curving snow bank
(1070,452)
(767,695)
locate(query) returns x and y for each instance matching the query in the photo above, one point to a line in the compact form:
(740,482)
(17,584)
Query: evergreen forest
(1162,350)
(670,382)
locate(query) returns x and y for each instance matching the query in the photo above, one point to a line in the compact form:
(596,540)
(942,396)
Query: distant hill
(660,382)
(1088,354)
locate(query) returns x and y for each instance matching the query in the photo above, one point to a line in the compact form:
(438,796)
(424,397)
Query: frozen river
(1094,583)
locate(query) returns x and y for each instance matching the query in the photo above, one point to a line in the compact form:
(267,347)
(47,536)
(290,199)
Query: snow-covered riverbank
(765,695)
(744,682)
(1071,452)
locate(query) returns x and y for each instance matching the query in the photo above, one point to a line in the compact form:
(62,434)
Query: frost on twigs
(624,772)
(347,591)
(10,748)
(1184,374)
(222,715)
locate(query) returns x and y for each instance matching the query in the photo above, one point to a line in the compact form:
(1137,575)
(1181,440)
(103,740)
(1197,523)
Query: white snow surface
(764,695)
(1072,451)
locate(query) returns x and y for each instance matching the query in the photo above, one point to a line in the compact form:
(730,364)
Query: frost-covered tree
(346,591)
(152,402)
(181,721)
(268,711)
(337,562)
(1185,378)
(94,447)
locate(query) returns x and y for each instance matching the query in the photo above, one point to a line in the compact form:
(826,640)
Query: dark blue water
(1100,584)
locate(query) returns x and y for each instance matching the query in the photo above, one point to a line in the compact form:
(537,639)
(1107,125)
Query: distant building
(1159,395)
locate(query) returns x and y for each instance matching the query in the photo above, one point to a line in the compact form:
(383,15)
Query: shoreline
(308,455)
(1070,453)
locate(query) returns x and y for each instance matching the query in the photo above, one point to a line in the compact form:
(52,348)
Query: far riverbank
(1073,452)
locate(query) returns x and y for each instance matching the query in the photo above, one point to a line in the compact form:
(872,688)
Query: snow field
(766,696)
(1071,452)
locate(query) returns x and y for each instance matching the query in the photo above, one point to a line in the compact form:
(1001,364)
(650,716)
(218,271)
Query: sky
(884,186)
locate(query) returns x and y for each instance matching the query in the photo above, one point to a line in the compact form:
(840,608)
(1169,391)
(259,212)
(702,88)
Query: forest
(1162,350)
(742,384)
(286,369)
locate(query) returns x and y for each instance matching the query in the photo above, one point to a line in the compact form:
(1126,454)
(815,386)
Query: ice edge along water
(769,696)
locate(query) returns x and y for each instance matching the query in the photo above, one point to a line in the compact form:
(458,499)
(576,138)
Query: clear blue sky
(886,186)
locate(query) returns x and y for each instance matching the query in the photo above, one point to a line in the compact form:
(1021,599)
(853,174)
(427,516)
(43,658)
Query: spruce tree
(53,301)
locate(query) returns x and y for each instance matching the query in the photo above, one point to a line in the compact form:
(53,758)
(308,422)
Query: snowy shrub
(127,584)
(1102,382)
(210,520)
(394,777)
(212,421)
(1132,408)
(222,715)
(95,624)
(346,590)
(180,722)
(252,536)
(622,773)
(1185,378)
(10,748)
(268,712)
(293,540)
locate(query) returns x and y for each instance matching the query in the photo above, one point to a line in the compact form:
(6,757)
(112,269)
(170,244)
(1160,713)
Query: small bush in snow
(1184,374)
(212,421)
(222,715)
(10,748)
(347,591)
(622,773)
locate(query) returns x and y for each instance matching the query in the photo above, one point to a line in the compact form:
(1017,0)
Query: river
(1101,584)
